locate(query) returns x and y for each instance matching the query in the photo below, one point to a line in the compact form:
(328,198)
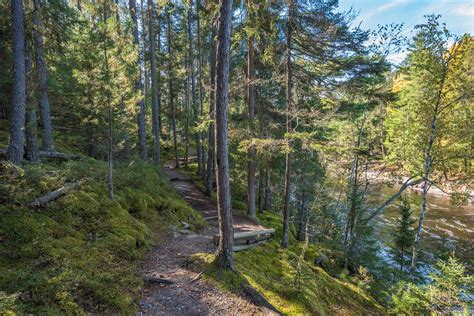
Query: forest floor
(189,294)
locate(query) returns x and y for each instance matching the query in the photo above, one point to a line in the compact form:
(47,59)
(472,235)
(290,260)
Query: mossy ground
(273,272)
(81,252)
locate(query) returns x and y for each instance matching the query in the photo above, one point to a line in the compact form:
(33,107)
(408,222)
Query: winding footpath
(189,294)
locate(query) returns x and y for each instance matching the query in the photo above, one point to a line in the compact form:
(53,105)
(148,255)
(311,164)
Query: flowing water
(447,228)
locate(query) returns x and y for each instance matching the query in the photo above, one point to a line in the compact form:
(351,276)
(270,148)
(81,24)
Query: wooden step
(248,237)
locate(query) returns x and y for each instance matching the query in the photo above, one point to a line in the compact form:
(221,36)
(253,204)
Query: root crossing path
(189,294)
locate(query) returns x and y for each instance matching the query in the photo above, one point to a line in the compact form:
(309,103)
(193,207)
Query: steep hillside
(79,253)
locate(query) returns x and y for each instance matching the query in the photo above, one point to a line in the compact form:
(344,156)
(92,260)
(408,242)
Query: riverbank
(445,189)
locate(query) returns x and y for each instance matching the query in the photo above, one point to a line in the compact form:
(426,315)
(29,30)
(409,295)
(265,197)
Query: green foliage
(435,71)
(271,270)
(79,254)
(449,289)
(404,233)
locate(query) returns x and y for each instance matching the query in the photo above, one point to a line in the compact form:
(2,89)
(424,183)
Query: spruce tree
(404,233)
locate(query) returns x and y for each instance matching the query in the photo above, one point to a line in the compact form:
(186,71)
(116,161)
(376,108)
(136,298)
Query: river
(446,228)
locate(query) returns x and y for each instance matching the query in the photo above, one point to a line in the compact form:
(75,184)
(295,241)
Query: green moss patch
(80,253)
(274,272)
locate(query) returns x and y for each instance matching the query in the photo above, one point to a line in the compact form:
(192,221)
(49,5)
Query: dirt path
(189,294)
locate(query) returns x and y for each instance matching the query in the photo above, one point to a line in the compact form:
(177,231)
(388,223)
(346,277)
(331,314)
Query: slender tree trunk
(286,204)
(302,215)
(32,146)
(202,171)
(186,111)
(251,164)
(193,86)
(158,80)
(145,49)
(261,189)
(402,258)
(268,192)
(17,121)
(154,86)
(89,127)
(110,111)
(43,79)
(427,168)
(171,95)
(224,252)
(354,198)
(212,97)
(138,84)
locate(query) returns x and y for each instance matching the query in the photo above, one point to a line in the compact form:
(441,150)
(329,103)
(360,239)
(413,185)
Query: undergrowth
(79,254)
(273,272)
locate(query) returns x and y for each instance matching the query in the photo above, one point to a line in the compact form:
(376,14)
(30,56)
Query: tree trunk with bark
(261,189)
(210,170)
(17,121)
(154,86)
(286,203)
(139,84)
(110,156)
(302,217)
(47,134)
(193,86)
(428,159)
(251,164)
(268,192)
(202,171)
(354,197)
(171,93)
(32,146)
(186,113)
(224,252)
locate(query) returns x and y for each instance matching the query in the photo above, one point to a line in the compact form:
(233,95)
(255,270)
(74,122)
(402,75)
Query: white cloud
(398,57)
(382,8)
(464,10)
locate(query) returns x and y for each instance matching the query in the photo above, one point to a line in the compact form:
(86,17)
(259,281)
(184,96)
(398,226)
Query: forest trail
(189,294)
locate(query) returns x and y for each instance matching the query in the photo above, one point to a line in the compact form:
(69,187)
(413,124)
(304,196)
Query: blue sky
(457,14)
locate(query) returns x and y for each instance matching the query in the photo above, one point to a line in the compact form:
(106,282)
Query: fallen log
(250,240)
(156,280)
(48,154)
(258,299)
(56,194)
(245,240)
(249,235)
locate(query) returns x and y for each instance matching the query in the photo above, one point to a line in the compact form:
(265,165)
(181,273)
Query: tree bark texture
(193,86)
(154,86)
(171,94)
(286,203)
(32,146)
(210,170)
(224,252)
(17,121)
(428,159)
(139,84)
(47,132)
(251,165)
